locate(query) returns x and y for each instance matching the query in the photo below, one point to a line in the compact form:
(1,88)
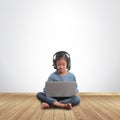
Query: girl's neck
(64,73)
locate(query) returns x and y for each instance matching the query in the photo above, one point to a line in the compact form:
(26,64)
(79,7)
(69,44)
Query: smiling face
(61,66)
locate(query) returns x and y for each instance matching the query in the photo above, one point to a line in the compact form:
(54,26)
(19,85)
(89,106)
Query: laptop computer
(60,88)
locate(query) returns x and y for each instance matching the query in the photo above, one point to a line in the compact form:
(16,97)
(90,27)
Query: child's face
(61,65)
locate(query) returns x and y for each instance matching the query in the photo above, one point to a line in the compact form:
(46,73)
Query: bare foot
(62,105)
(45,105)
(68,106)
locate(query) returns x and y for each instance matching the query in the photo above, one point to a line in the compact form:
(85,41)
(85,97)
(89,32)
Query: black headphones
(60,54)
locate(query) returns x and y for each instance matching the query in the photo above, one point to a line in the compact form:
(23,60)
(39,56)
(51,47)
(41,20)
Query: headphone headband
(64,52)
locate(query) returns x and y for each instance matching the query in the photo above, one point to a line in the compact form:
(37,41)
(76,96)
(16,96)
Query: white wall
(31,31)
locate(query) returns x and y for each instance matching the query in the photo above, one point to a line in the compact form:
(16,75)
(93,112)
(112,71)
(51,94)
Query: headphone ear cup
(54,64)
(68,64)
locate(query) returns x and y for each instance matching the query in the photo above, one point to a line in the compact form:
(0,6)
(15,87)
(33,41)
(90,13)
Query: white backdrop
(31,31)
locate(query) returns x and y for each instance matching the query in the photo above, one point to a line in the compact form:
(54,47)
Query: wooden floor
(27,107)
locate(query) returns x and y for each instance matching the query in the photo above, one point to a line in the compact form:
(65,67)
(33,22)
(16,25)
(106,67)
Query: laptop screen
(60,88)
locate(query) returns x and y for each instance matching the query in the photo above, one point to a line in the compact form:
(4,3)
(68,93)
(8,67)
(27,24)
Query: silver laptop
(60,88)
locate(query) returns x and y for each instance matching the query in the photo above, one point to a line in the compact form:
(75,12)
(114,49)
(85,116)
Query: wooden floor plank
(112,107)
(38,112)
(27,113)
(79,113)
(69,115)
(97,109)
(7,109)
(102,111)
(88,110)
(114,100)
(59,114)
(48,114)
(15,107)
(22,107)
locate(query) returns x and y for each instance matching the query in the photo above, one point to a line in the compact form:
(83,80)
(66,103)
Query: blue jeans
(74,100)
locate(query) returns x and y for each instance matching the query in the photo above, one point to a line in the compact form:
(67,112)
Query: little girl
(62,64)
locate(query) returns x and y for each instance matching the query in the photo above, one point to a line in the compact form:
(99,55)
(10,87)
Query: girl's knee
(76,100)
(38,95)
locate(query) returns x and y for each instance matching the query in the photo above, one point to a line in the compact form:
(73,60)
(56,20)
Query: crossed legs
(61,103)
